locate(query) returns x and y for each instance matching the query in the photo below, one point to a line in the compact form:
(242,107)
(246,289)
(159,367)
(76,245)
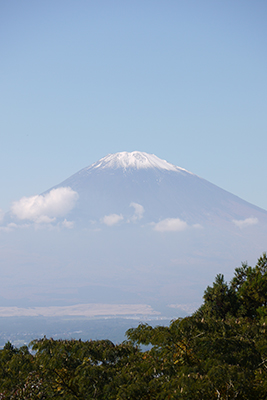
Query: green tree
(220,300)
(15,367)
(202,359)
(250,285)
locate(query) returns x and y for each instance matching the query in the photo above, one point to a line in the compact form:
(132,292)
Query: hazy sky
(185,80)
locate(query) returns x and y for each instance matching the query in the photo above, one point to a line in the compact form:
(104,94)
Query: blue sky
(185,80)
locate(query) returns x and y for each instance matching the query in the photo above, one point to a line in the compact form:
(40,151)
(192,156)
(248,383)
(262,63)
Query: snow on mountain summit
(135,159)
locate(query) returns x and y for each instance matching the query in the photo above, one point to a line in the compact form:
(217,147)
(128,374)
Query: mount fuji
(121,183)
(129,229)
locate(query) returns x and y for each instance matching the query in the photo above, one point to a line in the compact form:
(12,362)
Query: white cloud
(11,226)
(1,215)
(112,219)
(45,208)
(138,211)
(245,222)
(68,224)
(197,226)
(170,225)
(44,219)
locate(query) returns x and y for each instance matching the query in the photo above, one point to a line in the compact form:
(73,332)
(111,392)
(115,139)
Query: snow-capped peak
(135,159)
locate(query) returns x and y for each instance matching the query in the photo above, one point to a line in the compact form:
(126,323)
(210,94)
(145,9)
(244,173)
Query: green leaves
(250,285)
(191,359)
(246,295)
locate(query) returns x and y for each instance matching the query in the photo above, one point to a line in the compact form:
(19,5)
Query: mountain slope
(116,181)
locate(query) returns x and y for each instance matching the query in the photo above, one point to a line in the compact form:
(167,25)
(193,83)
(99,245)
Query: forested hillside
(220,352)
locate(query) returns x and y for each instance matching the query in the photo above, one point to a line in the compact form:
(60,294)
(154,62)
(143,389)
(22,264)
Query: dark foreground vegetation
(218,353)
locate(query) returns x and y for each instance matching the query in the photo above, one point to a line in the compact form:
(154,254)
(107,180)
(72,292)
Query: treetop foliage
(245,296)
